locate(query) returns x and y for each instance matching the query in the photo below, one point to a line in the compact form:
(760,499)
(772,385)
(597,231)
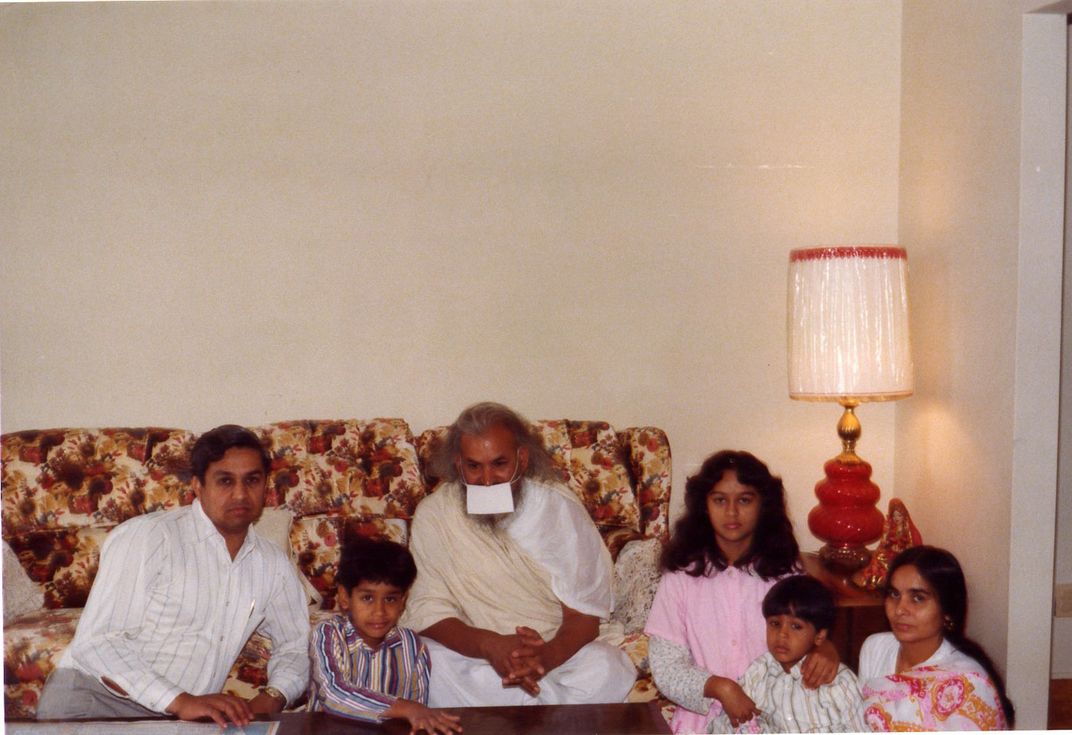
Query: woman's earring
(948,623)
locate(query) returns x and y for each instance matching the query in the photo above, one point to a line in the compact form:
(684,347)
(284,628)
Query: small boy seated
(363,666)
(800,614)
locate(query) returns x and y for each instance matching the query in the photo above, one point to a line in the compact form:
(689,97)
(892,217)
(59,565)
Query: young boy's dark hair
(375,560)
(803,597)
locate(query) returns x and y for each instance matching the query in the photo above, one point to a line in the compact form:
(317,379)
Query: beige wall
(259,211)
(954,436)
(1062,627)
(976,448)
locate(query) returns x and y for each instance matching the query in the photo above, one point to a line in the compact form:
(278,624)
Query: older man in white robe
(513,578)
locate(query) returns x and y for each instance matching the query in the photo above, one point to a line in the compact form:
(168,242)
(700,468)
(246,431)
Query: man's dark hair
(375,560)
(802,597)
(212,445)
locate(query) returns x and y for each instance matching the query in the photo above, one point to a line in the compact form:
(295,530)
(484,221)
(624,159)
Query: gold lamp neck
(848,428)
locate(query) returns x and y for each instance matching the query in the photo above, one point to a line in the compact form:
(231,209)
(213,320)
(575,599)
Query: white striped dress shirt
(170,611)
(787,706)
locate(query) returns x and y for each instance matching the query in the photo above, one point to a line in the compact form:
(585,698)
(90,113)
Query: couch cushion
(361,468)
(33,645)
(636,577)
(90,477)
(650,462)
(21,594)
(64,561)
(599,474)
(317,541)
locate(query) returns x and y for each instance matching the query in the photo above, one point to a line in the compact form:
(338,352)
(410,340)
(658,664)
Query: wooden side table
(860,612)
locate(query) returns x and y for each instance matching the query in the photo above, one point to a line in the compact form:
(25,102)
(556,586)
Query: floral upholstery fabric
(599,474)
(64,561)
(318,542)
(649,461)
(89,477)
(361,468)
(250,670)
(33,645)
(64,489)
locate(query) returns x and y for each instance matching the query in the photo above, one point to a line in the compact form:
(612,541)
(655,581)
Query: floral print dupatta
(932,698)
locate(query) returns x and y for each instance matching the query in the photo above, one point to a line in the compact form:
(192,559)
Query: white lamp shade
(848,324)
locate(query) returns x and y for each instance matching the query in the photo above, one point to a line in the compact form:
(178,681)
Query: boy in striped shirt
(800,614)
(364,667)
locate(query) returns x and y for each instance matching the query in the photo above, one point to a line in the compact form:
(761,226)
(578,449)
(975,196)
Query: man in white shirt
(177,595)
(513,578)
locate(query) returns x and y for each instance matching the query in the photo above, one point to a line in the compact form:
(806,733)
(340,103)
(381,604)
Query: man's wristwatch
(275,694)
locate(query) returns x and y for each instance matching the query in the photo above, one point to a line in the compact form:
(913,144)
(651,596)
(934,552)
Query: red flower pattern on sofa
(64,489)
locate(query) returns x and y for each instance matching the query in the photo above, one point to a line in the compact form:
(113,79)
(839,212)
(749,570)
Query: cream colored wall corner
(976,448)
(257,211)
(1061,653)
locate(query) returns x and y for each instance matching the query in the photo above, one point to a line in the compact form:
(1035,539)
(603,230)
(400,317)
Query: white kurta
(547,555)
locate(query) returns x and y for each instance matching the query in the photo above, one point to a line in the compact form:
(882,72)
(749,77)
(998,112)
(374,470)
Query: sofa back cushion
(91,477)
(340,478)
(363,469)
(64,489)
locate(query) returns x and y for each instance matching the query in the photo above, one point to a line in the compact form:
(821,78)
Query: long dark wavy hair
(942,572)
(693,547)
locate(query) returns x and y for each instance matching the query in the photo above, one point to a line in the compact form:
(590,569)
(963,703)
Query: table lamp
(849,343)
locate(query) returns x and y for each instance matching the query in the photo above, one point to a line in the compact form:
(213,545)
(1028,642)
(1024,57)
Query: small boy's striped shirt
(788,706)
(350,679)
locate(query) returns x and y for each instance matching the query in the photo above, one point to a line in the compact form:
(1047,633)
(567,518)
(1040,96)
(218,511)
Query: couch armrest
(650,465)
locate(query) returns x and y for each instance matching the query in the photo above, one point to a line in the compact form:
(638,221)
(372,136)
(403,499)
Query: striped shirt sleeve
(339,686)
(107,638)
(847,702)
(423,670)
(287,624)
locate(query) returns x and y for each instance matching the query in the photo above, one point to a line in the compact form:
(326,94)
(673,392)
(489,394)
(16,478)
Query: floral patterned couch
(64,489)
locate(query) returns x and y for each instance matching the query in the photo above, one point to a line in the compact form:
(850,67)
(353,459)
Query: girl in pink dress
(706,625)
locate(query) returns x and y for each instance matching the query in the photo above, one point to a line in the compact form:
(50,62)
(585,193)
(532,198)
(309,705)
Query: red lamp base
(846,516)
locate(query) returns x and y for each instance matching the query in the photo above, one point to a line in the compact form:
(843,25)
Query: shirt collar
(206,530)
(774,668)
(204,525)
(357,642)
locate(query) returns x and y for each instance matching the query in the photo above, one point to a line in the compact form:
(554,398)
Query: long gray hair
(478,419)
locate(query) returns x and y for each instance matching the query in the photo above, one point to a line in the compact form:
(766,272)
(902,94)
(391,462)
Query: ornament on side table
(898,533)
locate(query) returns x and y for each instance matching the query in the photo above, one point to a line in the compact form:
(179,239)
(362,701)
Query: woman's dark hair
(802,597)
(375,560)
(942,572)
(212,445)
(693,547)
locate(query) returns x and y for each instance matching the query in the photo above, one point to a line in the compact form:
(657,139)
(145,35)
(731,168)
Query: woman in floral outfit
(925,674)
